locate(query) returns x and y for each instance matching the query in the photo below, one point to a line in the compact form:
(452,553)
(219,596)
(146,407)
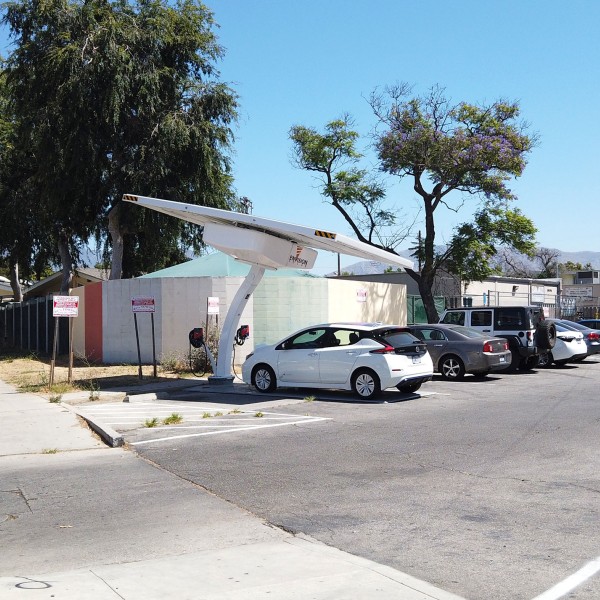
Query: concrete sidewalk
(80,520)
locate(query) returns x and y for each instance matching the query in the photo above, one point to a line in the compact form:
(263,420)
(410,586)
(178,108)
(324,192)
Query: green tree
(440,148)
(22,251)
(114,98)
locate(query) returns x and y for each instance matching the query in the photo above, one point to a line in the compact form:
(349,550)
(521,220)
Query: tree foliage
(117,97)
(463,149)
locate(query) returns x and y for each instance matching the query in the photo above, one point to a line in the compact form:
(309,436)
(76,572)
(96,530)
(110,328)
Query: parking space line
(570,583)
(230,430)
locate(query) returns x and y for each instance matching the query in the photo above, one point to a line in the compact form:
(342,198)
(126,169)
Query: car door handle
(438,345)
(350,351)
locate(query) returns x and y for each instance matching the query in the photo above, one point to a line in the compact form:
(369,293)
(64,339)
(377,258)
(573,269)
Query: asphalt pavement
(83,517)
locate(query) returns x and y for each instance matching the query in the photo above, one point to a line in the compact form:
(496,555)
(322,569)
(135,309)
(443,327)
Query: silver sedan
(456,350)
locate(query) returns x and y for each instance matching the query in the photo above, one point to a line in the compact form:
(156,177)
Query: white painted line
(570,583)
(190,435)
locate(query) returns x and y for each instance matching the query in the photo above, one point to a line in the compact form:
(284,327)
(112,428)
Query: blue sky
(308,62)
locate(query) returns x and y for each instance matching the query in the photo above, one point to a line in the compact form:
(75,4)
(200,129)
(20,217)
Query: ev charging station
(263,244)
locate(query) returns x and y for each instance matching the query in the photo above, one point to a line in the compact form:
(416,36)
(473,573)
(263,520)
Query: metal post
(137,339)
(70,374)
(153,346)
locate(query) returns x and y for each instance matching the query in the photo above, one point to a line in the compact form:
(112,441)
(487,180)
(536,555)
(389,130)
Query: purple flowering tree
(470,151)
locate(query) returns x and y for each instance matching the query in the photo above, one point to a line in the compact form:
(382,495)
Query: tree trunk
(67,263)
(15,284)
(425,283)
(116,235)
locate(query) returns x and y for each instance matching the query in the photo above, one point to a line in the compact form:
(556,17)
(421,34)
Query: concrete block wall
(279,306)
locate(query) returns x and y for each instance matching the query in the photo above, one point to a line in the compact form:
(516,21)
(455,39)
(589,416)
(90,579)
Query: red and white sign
(361,295)
(143,304)
(65,306)
(213,305)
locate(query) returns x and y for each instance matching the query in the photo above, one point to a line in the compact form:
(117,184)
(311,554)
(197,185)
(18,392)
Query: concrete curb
(140,398)
(108,435)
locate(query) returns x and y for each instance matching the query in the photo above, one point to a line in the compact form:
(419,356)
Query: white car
(363,357)
(569,347)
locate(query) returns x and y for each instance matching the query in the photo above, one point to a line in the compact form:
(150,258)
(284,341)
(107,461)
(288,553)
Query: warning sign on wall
(142,304)
(65,306)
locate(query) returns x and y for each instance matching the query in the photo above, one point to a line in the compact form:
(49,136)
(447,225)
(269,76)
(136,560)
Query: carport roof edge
(300,234)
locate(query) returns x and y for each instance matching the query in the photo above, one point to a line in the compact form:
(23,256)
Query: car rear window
(398,338)
(508,318)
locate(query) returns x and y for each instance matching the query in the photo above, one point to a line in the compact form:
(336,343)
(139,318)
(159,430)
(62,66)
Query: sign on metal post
(144,304)
(63,306)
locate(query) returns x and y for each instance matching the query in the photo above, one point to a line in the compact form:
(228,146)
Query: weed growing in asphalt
(218,414)
(235,411)
(206,415)
(50,451)
(173,419)
(259,414)
(55,398)
(151,422)
(310,399)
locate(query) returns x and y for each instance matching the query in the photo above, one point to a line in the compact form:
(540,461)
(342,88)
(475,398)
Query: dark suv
(525,328)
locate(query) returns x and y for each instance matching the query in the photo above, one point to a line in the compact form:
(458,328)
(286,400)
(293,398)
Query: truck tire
(545,335)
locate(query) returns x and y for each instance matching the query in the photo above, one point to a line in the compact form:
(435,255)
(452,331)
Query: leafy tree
(117,97)
(22,254)
(441,148)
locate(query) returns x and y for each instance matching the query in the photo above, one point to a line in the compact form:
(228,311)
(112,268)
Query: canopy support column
(231,323)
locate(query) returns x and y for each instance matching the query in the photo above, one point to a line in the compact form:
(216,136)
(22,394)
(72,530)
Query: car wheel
(263,379)
(529,363)
(365,384)
(545,335)
(451,367)
(409,388)
(545,359)
(481,374)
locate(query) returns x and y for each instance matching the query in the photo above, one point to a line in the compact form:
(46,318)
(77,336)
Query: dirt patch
(30,373)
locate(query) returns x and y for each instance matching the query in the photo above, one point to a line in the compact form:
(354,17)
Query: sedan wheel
(451,367)
(365,384)
(263,379)
(409,388)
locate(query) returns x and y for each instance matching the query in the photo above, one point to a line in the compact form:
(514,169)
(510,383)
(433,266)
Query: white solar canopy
(299,234)
(265,244)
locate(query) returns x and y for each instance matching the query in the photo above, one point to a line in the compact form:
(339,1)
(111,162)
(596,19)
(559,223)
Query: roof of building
(219,264)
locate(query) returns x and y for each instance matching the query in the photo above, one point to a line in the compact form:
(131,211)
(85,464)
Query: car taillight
(594,336)
(387,349)
(487,347)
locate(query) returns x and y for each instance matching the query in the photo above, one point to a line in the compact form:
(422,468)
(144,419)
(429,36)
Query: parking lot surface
(486,488)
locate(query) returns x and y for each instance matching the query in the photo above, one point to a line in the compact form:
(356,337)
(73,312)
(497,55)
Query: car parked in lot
(525,328)
(569,347)
(363,357)
(591,337)
(591,323)
(456,350)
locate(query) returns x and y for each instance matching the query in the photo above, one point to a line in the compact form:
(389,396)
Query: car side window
(346,337)
(455,317)
(481,318)
(433,334)
(510,318)
(313,338)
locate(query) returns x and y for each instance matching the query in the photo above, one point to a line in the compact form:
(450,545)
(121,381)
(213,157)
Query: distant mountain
(370,267)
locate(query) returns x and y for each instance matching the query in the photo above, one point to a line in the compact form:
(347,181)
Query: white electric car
(363,357)
(570,347)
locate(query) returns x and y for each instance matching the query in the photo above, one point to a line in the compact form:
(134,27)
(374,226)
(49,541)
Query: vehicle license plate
(502,359)
(416,360)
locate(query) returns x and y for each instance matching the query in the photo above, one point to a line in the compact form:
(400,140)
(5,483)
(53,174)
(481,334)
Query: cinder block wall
(279,306)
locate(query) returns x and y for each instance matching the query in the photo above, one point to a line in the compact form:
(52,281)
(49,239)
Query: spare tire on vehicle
(545,335)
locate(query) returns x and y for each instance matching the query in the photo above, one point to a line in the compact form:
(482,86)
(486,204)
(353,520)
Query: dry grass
(30,373)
